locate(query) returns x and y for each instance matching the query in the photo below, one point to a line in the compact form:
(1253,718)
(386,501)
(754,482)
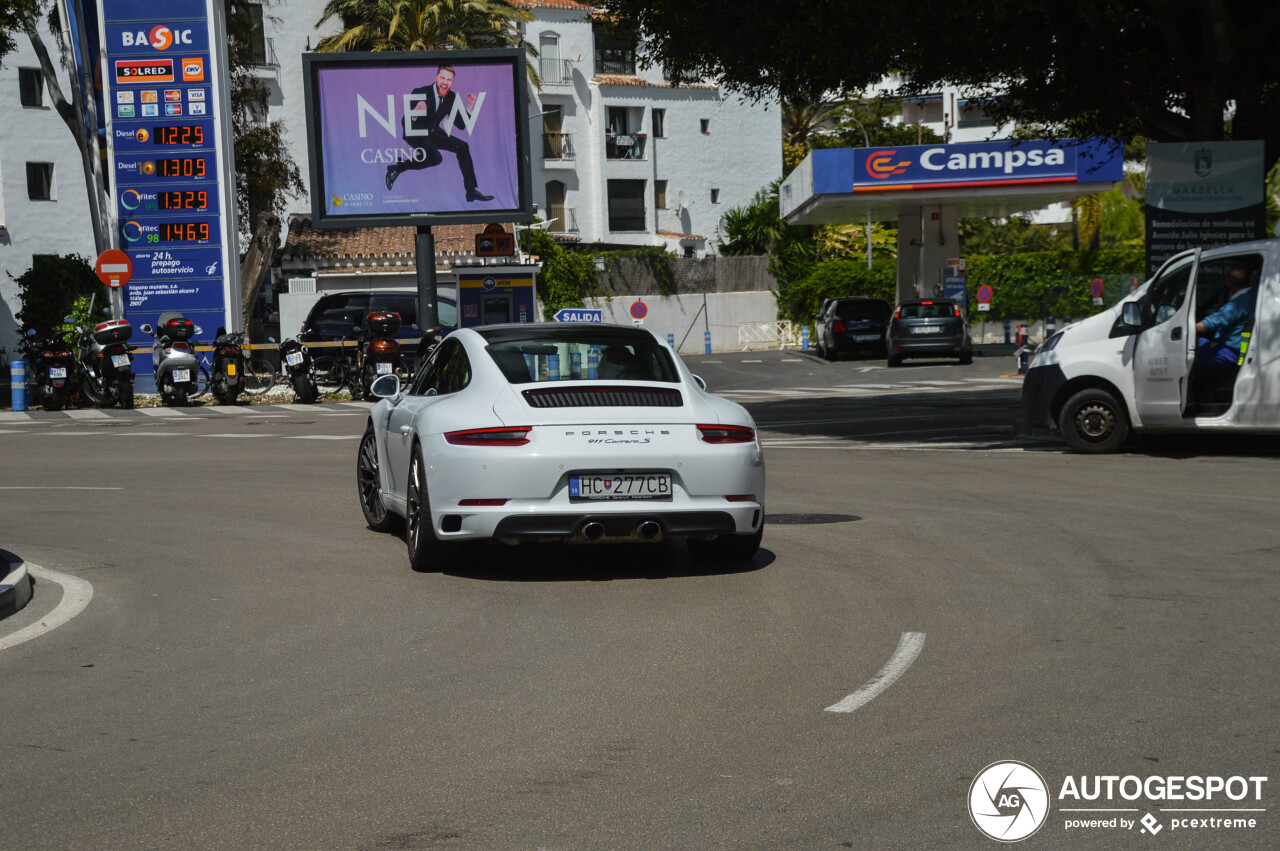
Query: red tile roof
(371,246)
(630,80)
(550,4)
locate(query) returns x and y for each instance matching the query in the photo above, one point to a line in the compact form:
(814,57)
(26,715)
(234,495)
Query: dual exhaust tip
(647,529)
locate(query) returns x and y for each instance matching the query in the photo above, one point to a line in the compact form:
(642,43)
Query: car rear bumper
(850,343)
(930,347)
(626,525)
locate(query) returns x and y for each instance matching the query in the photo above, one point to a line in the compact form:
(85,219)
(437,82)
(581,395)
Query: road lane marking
(321,437)
(76,594)
(160,412)
(909,647)
(88,415)
(56,488)
(12,416)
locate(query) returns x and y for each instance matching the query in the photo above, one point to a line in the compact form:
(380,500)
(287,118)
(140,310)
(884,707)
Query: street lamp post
(866,141)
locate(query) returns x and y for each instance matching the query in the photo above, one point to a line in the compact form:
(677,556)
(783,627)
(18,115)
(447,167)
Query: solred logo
(881,165)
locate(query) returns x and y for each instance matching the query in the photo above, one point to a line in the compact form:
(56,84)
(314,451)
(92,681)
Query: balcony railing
(262,54)
(566,222)
(557,146)
(555,72)
(625,146)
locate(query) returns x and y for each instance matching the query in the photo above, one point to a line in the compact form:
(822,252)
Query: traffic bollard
(18,375)
(671,339)
(1007,332)
(804,338)
(706,336)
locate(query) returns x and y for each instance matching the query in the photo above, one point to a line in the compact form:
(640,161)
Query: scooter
(106,377)
(227,371)
(173,358)
(379,350)
(296,365)
(51,369)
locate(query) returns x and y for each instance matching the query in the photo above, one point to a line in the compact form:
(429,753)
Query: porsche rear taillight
(726,434)
(505,436)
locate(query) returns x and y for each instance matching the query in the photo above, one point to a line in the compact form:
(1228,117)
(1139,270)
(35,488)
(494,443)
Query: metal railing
(557,146)
(555,72)
(625,146)
(779,334)
(566,222)
(263,54)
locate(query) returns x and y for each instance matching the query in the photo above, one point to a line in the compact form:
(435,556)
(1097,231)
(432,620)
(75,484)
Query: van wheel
(1093,422)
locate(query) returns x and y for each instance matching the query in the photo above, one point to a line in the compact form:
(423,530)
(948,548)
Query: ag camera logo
(1008,801)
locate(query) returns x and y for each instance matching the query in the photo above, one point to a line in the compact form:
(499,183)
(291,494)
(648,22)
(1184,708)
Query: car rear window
(936,310)
(582,359)
(863,310)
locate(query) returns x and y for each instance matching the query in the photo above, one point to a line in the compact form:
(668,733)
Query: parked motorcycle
(379,351)
(174,358)
(227,373)
(296,365)
(106,376)
(51,370)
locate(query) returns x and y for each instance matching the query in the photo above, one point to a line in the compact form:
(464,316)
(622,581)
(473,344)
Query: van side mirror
(1129,322)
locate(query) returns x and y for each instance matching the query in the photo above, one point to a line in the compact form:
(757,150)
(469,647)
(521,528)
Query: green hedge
(1026,286)
(1052,283)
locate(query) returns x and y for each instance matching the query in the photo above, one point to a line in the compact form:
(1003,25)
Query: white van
(1130,368)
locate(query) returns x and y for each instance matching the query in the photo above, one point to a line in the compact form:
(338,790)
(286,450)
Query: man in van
(1220,334)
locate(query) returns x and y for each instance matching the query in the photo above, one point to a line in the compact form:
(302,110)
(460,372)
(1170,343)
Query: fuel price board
(168,134)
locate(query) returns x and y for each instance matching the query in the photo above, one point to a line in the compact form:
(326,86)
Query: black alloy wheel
(369,484)
(426,551)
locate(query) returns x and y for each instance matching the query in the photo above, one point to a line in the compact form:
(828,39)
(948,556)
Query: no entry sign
(114,268)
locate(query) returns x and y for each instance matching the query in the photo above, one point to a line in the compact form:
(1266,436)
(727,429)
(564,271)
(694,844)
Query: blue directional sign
(579,314)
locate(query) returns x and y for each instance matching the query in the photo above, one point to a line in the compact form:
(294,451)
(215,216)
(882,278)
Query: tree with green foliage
(567,277)
(833,279)
(14,15)
(50,288)
(380,25)
(1172,71)
(758,229)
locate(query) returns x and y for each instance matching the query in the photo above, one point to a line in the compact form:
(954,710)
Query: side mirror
(1129,322)
(701,383)
(145,328)
(386,387)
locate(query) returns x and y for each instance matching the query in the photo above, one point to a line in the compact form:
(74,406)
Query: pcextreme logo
(160,37)
(880,164)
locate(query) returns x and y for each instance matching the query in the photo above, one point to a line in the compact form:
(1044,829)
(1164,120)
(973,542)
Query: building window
(659,124)
(256,49)
(706,125)
(715,196)
(615,53)
(973,113)
(660,194)
(923,110)
(31,86)
(38,260)
(40,181)
(626,205)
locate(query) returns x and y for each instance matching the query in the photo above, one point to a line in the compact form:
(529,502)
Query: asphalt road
(256,669)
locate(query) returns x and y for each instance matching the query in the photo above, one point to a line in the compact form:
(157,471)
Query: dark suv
(929,328)
(852,324)
(339,315)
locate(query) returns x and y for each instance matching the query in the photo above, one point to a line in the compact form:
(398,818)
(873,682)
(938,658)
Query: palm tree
(802,117)
(425,25)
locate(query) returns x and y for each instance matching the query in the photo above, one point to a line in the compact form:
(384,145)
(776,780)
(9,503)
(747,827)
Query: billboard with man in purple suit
(417,138)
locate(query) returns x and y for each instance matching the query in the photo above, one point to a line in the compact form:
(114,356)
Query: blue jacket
(1227,322)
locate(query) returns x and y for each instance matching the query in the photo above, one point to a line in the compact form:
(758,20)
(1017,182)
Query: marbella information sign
(167,126)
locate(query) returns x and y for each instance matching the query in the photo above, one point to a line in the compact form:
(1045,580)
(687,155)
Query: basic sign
(179,135)
(184,231)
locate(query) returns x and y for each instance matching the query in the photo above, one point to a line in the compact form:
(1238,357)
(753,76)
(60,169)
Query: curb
(15,588)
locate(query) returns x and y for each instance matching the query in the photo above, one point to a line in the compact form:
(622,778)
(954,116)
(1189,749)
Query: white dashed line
(321,437)
(76,594)
(909,647)
(160,412)
(89,414)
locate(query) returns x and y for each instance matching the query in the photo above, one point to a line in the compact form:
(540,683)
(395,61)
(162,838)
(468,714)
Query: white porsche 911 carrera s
(571,433)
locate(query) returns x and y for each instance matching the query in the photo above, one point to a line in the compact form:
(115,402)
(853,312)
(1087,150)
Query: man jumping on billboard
(438,101)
